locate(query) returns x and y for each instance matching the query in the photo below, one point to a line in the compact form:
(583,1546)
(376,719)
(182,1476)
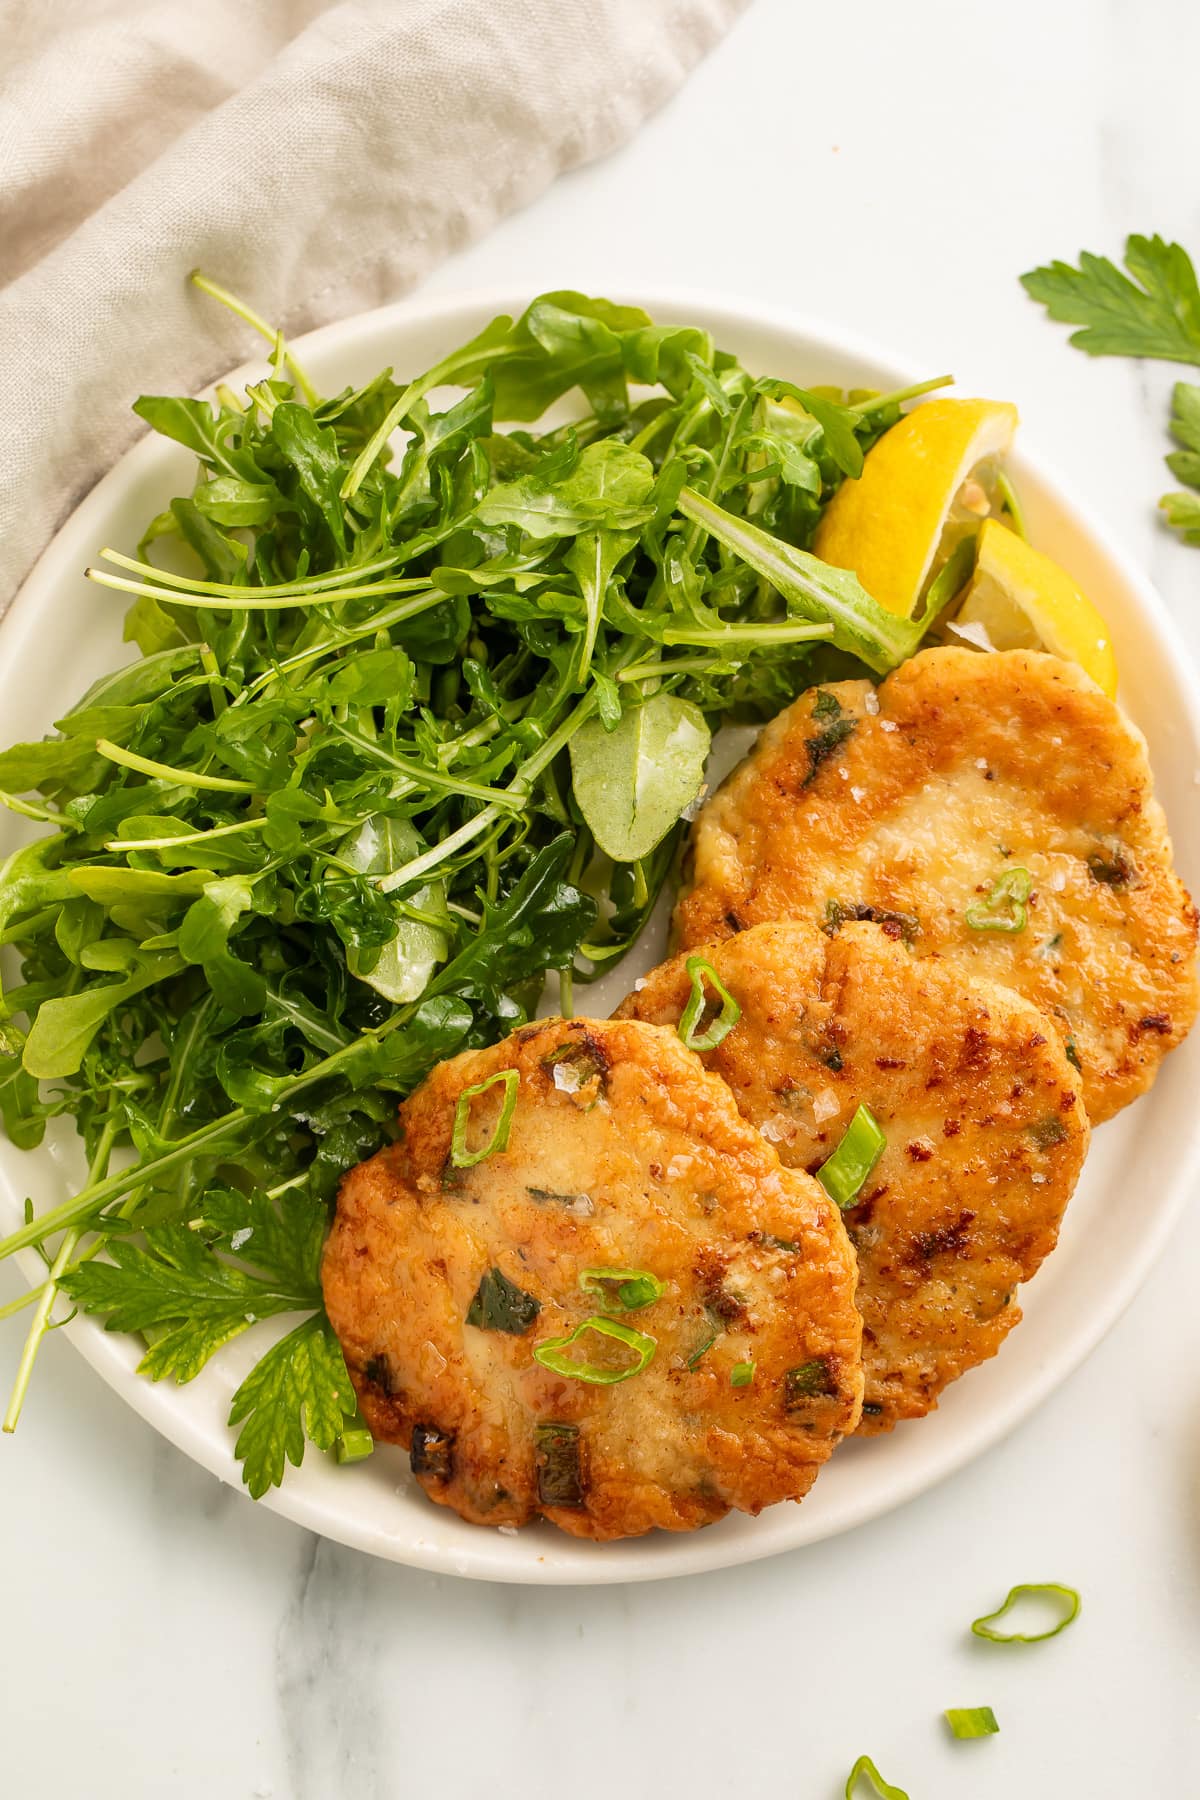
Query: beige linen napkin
(317,158)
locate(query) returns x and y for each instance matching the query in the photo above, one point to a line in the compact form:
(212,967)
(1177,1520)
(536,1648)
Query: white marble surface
(893,168)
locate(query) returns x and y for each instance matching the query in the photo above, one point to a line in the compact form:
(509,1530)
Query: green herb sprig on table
(1152,311)
(406,732)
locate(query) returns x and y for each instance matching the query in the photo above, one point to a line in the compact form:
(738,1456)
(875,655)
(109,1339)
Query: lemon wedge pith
(892,525)
(1021,599)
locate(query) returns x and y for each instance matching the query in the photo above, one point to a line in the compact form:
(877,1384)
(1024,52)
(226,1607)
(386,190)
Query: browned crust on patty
(958,768)
(636,1157)
(982,1112)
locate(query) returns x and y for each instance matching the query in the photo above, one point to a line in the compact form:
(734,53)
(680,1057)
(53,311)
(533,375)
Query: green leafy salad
(420,707)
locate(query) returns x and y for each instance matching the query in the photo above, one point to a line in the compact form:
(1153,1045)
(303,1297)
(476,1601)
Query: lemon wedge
(1021,599)
(923,488)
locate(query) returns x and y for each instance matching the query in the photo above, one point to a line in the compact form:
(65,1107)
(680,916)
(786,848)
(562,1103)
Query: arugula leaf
(632,783)
(1153,311)
(814,589)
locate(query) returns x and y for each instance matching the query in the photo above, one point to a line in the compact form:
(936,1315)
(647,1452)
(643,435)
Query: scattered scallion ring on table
(622,1290)
(844,1174)
(1064,1597)
(460,1156)
(971,1721)
(1011,890)
(884,1789)
(699,971)
(552,1353)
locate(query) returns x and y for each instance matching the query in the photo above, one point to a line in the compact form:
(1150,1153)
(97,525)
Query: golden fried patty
(986,1132)
(933,804)
(452,1284)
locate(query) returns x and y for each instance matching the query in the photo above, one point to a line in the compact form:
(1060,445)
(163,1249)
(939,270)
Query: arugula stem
(679,665)
(421,775)
(185,838)
(41,1318)
(519,786)
(29,809)
(30,927)
(208,286)
(446,372)
(228,590)
(253,599)
(783,633)
(145,765)
(878,402)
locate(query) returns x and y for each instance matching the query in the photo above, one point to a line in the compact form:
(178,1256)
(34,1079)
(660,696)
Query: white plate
(63,632)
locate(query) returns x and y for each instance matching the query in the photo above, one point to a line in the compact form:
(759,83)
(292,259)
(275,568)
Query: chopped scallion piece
(460,1156)
(971,1721)
(356,1441)
(885,1790)
(1063,1597)
(1003,907)
(699,971)
(845,1173)
(558,1460)
(622,1290)
(500,1305)
(552,1354)
(742,1374)
(809,1381)
(703,1347)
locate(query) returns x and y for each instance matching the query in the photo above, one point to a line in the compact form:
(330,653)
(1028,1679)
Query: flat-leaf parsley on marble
(409,729)
(1153,311)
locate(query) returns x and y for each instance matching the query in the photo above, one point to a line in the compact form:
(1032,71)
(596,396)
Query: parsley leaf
(299,1389)
(184,1293)
(1152,311)
(1160,318)
(1183,514)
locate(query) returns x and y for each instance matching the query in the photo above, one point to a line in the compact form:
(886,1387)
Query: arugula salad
(425,689)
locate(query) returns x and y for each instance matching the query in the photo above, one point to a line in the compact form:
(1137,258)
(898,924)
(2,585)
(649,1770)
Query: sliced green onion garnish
(552,1354)
(1064,1597)
(843,1174)
(460,1156)
(703,1347)
(885,1790)
(622,1290)
(971,1721)
(700,971)
(741,1375)
(356,1441)
(1003,907)
(500,1305)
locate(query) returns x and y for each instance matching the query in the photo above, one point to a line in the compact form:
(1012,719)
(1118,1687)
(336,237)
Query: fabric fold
(319,159)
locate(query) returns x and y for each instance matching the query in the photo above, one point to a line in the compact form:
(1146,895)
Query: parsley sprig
(1152,311)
